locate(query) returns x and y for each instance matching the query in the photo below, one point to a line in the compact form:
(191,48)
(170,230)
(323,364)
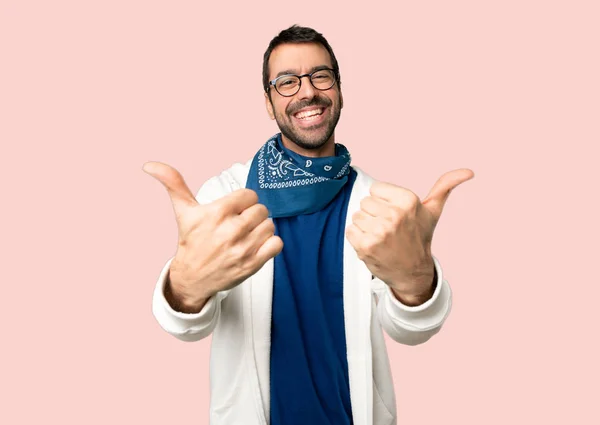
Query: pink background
(89,91)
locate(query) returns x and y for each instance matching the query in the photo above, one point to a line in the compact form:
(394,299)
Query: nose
(307,90)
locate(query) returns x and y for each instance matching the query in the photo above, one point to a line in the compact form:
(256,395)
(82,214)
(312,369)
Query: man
(295,260)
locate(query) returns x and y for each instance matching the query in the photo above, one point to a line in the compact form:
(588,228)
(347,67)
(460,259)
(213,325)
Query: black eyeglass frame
(273,83)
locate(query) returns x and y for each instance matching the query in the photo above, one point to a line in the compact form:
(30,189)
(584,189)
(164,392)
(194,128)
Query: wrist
(413,300)
(419,292)
(179,302)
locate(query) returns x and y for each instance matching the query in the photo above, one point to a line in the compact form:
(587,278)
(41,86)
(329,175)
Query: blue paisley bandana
(289,184)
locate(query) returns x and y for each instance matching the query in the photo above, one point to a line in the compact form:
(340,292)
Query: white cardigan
(240,321)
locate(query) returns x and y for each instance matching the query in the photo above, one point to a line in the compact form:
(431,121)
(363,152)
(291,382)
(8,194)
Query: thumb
(438,195)
(179,192)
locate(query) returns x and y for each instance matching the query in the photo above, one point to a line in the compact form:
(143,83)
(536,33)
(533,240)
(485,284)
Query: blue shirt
(309,366)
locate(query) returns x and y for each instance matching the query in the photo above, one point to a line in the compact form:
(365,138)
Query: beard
(309,137)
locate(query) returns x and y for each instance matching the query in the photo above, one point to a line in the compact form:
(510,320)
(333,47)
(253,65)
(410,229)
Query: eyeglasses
(289,85)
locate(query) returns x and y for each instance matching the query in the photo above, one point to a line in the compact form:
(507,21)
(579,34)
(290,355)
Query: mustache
(324,102)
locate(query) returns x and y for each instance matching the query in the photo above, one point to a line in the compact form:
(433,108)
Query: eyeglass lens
(289,85)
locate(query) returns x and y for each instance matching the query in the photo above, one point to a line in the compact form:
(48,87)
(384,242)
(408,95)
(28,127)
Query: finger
(395,195)
(237,201)
(172,180)
(354,235)
(373,226)
(438,195)
(251,217)
(377,207)
(363,221)
(261,233)
(269,249)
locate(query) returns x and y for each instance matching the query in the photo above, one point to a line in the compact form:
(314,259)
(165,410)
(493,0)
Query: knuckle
(215,209)
(270,227)
(362,247)
(369,245)
(235,227)
(413,200)
(250,194)
(395,216)
(364,202)
(361,255)
(238,252)
(380,231)
(261,210)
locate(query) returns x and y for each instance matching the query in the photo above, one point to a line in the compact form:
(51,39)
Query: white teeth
(308,114)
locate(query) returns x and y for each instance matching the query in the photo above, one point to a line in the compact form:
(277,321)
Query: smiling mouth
(308,116)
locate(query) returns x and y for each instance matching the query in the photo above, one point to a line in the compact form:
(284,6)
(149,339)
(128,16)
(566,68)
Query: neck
(328,149)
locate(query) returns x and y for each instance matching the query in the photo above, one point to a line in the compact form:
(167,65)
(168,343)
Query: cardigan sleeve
(196,326)
(413,325)
(184,326)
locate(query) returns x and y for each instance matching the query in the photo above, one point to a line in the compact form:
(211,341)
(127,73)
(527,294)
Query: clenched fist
(220,244)
(393,230)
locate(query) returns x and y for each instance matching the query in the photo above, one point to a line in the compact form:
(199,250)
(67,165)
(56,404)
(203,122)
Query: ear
(269,106)
(341,100)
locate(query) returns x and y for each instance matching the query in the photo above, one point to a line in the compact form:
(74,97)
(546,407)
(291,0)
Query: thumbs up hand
(220,244)
(392,234)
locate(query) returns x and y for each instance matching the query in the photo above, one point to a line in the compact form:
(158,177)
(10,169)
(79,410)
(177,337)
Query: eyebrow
(293,71)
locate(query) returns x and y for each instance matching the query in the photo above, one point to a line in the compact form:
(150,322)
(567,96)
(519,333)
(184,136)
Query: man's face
(307,130)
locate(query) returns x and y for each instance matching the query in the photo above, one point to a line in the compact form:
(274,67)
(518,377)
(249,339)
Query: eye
(287,82)
(321,75)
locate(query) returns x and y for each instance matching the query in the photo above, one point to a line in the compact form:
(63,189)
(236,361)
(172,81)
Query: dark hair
(297,34)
